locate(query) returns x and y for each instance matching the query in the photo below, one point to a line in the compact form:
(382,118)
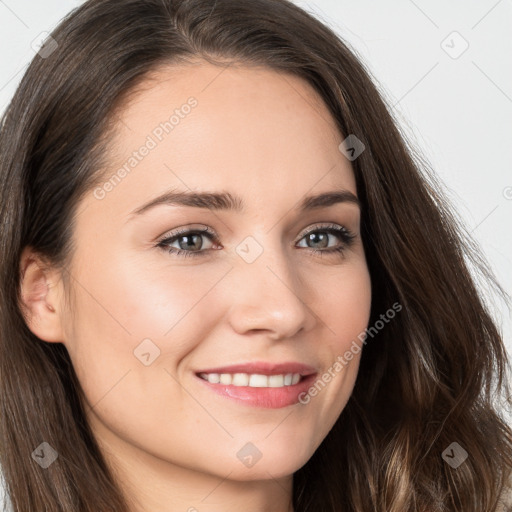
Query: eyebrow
(228,202)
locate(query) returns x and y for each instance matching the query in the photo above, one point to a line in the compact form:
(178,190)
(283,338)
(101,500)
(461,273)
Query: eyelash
(345,234)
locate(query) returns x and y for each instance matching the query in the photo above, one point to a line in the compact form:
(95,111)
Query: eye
(322,235)
(190,241)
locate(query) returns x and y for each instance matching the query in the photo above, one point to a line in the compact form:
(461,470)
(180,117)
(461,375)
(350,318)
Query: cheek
(127,310)
(154,298)
(344,304)
(344,309)
(127,302)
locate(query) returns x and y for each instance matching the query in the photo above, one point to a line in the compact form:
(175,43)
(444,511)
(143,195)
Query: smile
(253,380)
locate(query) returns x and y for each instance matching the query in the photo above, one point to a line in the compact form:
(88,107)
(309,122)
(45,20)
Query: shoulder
(505,502)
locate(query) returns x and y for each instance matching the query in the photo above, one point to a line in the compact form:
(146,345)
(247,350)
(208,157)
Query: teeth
(214,378)
(225,378)
(239,379)
(276,381)
(258,381)
(252,380)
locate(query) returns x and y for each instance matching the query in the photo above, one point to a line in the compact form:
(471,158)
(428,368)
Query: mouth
(258,390)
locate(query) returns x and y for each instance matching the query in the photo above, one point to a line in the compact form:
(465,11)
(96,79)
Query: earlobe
(39,289)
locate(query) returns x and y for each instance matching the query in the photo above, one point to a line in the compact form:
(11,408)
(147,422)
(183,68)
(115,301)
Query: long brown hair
(433,376)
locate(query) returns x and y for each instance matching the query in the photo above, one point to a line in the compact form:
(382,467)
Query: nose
(266,296)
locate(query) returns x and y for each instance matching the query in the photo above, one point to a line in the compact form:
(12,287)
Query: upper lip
(264,368)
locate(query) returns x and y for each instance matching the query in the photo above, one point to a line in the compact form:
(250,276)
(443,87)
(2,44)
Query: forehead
(228,91)
(265,133)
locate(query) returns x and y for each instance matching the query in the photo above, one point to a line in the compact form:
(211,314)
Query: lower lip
(269,398)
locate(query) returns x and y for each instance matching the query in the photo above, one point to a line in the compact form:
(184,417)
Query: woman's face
(250,289)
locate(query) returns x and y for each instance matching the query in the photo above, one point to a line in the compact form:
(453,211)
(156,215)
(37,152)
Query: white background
(457,111)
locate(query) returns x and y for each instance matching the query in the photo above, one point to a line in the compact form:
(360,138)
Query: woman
(172,336)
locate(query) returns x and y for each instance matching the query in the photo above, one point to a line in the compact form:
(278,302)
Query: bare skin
(266,138)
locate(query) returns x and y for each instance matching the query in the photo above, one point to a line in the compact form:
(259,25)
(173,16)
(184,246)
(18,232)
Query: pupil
(190,245)
(313,236)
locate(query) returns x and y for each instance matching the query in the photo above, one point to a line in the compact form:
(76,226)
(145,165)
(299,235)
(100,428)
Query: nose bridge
(266,294)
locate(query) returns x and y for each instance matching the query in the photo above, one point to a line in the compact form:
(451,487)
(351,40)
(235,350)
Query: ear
(41,294)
